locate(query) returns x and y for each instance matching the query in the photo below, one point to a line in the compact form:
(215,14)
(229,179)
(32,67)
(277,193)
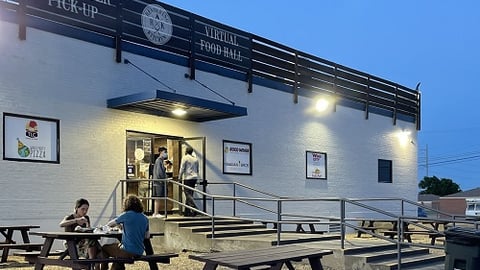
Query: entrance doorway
(141,153)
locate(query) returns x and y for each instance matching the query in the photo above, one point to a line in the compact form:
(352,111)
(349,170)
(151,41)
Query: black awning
(162,103)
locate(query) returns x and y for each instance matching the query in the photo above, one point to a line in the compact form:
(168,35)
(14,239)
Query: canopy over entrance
(163,103)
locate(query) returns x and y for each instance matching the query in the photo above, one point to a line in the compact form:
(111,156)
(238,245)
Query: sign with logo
(29,138)
(316,165)
(156,24)
(237,158)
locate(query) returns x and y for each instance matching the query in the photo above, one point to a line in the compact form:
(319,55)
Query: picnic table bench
(272,257)
(31,256)
(80,263)
(75,262)
(420,230)
(408,235)
(369,225)
(8,231)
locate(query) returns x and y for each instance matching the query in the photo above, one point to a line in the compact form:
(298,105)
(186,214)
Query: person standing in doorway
(189,171)
(159,172)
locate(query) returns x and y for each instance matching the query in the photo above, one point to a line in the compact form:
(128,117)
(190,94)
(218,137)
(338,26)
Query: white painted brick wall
(66,79)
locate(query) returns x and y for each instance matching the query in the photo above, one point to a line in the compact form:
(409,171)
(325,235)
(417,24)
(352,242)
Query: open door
(198,144)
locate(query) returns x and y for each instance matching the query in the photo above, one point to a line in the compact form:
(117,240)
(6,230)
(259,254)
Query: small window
(384,171)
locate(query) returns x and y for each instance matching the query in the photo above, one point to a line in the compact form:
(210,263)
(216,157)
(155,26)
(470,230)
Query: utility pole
(426,158)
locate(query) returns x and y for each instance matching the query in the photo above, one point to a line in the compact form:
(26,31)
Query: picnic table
(75,262)
(369,225)
(407,232)
(8,231)
(273,257)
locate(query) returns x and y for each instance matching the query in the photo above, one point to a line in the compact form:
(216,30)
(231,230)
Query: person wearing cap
(159,172)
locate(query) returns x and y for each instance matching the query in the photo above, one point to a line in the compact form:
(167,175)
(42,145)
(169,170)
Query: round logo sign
(156,24)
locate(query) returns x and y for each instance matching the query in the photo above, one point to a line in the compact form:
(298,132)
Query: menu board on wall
(30,138)
(316,165)
(237,157)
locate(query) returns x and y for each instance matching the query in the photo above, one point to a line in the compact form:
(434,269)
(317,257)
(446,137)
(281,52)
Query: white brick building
(68,74)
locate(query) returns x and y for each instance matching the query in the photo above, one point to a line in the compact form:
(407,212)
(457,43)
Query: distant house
(428,200)
(455,203)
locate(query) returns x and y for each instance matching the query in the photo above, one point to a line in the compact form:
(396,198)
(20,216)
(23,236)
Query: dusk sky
(435,43)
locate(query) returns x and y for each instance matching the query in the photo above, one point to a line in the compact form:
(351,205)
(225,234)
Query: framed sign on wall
(31,138)
(316,165)
(237,157)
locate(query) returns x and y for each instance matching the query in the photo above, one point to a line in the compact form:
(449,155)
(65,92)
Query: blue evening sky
(434,42)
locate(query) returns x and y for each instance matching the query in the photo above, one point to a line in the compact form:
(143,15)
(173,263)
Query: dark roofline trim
(171,57)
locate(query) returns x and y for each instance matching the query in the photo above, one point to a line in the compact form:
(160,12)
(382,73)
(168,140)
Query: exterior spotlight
(404,137)
(322,104)
(179,112)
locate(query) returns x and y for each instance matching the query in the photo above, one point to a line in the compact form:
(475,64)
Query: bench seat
(31,256)
(158,258)
(367,228)
(82,263)
(26,246)
(154,258)
(432,235)
(155,234)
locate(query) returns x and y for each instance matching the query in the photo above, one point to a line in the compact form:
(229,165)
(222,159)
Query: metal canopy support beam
(191,60)
(118,35)
(418,118)
(250,72)
(295,83)
(22,19)
(367,102)
(335,88)
(396,105)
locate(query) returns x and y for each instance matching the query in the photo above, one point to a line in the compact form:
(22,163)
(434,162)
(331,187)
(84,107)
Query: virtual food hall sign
(212,40)
(222,44)
(151,23)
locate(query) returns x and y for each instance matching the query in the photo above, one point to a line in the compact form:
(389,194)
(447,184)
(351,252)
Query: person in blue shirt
(135,229)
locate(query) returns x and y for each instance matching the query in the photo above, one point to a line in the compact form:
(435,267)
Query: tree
(440,187)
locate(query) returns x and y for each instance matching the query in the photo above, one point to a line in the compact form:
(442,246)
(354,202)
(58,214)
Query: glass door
(198,144)
(142,151)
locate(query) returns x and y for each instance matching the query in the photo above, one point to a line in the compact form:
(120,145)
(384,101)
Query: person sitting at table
(77,221)
(135,229)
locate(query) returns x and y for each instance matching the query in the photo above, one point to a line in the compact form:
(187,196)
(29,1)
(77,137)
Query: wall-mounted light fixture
(322,104)
(404,137)
(179,112)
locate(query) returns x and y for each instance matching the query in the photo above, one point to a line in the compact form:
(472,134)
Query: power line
(453,161)
(447,160)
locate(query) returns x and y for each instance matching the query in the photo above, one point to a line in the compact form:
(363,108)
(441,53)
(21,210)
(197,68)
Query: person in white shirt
(189,172)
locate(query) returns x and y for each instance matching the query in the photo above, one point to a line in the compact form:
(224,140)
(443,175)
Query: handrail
(343,217)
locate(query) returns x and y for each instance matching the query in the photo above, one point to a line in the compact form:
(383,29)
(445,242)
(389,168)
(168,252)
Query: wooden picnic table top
(7,232)
(275,255)
(18,227)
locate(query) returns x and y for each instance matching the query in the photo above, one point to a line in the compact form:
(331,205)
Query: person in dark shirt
(77,221)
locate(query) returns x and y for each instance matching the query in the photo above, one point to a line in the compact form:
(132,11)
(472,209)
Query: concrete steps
(194,233)
(223,227)
(384,257)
